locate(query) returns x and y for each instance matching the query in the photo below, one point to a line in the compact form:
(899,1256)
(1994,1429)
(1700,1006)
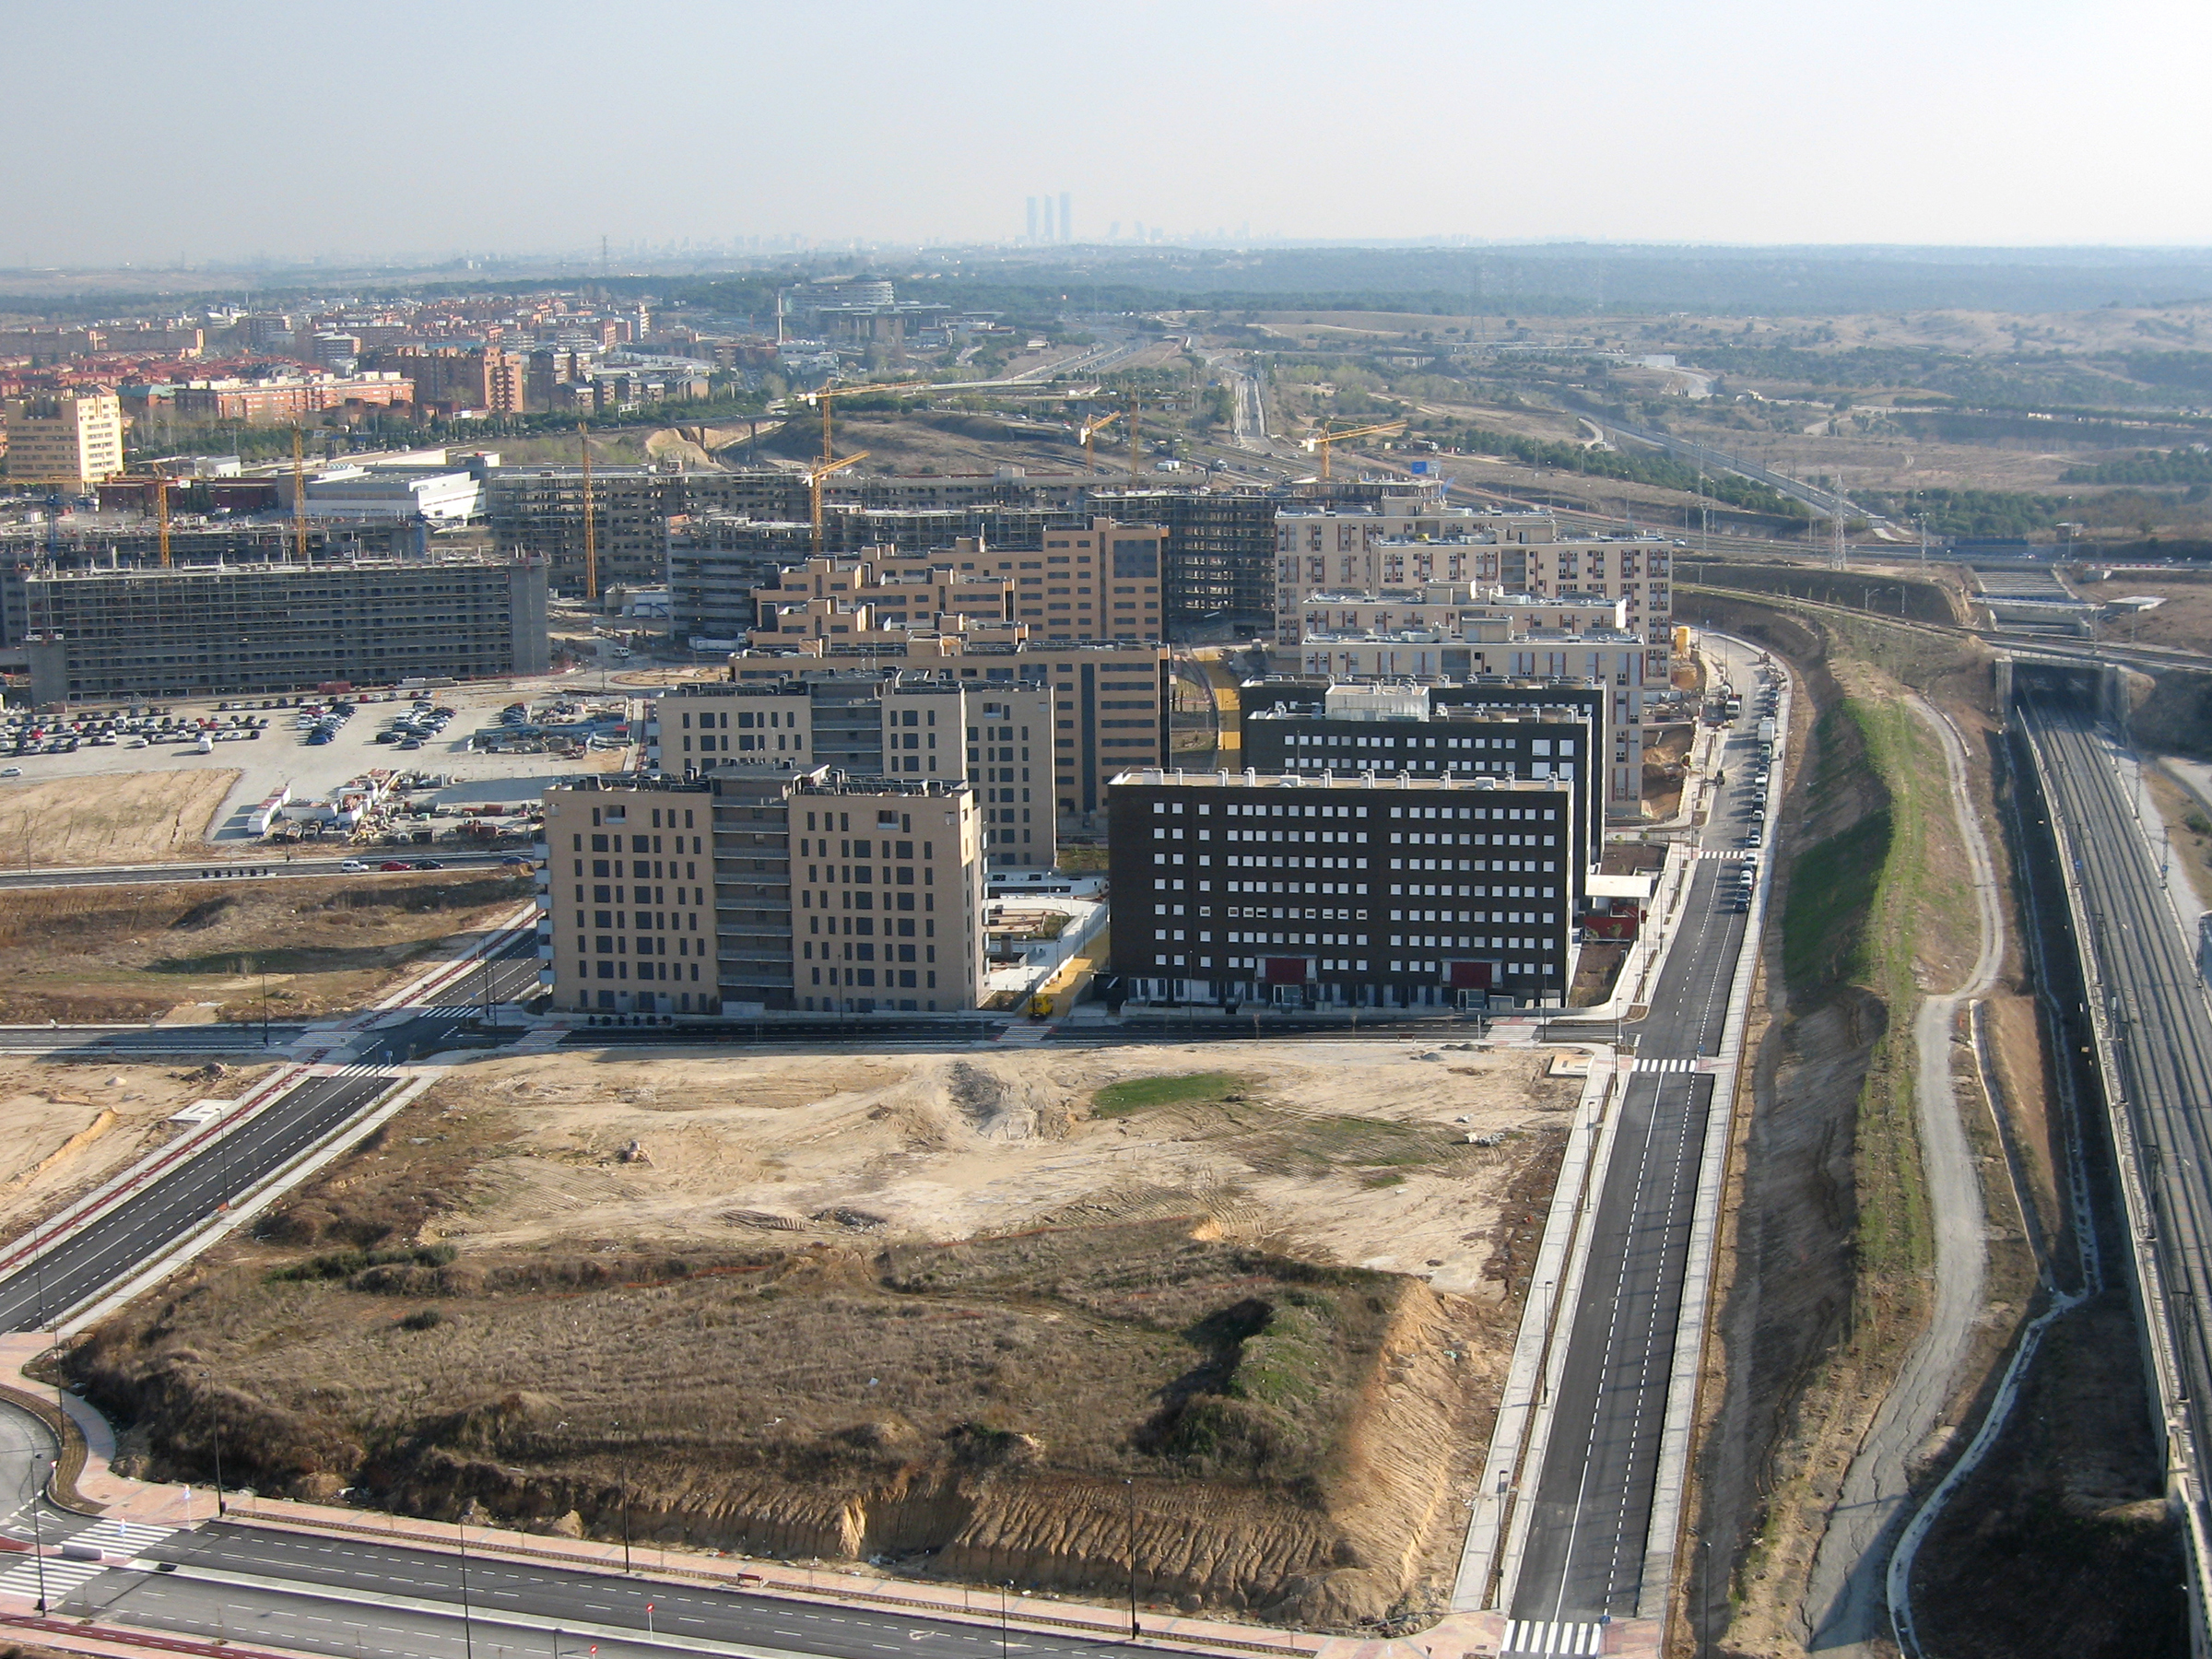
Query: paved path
(1845,1603)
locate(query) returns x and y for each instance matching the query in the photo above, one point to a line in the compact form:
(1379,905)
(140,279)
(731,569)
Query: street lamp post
(37,1536)
(1131,1487)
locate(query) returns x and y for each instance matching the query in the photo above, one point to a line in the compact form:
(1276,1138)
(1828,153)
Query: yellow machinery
(1091,429)
(161,511)
(591,518)
(830,394)
(814,486)
(1324,438)
(298,500)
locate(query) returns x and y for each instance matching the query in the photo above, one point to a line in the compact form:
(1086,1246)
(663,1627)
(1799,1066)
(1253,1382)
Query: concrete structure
(996,737)
(291,397)
(68,441)
(216,629)
(744,891)
(1109,701)
(538,511)
(1455,608)
(440,495)
(1232,888)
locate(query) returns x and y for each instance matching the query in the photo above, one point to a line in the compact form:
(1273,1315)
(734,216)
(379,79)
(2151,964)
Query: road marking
(1547,1636)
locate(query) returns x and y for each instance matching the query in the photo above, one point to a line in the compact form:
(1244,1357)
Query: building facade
(216,629)
(1232,889)
(995,737)
(64,440)
(1109,701)
(744,892)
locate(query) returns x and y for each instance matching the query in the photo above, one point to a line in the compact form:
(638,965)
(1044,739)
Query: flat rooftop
(1154,778)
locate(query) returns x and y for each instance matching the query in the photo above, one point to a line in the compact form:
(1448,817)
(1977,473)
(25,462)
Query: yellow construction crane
(830,394)
(161,511)
(298,500)
(1323,438)
(590,525)
(814,486)
(1091,429)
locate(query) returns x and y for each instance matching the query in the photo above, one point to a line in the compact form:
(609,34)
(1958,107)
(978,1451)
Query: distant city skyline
(228,134)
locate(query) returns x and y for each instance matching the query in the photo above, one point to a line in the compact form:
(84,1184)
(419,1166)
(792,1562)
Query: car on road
(11,772)
(426,864)
(396,864)
(353,864)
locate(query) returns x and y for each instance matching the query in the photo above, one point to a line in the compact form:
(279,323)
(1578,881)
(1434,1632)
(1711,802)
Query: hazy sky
(144,132)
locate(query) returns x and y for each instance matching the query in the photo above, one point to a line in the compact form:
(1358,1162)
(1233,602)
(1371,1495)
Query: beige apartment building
(1450,608)
(64,440)
(1363,552)
(741,893)
(996,736)
(1110,698)
(1103,583)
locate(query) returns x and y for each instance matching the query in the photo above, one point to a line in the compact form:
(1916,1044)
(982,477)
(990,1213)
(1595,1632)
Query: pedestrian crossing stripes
(1725,853)
(58,1575)
(1551,1636)
(1657,1065)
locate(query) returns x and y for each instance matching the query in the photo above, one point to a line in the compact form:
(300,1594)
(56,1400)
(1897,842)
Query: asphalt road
(2138,960)
(359,1596)
(1587,1537)
(136,1230)
(121,1041)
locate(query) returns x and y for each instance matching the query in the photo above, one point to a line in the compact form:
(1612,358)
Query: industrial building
(744,891)
(234,630)
(1330,892)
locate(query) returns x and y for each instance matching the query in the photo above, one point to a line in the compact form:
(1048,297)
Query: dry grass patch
(123,818)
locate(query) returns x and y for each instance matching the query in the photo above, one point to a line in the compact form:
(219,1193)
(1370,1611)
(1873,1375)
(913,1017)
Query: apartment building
(1383,730)
(1236,888)
(1334,549)
(64,439)
(742,892)
(222,629)
(1613,666)
(996,737)
(1488,613)
(281,398)
(1097,583)
(539,511)
(1110,700)
(1216,560)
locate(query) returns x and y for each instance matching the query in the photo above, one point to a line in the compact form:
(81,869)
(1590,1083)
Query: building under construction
(213,631)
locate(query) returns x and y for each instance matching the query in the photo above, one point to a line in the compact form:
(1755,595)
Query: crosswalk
(59,1576)
(1546,1636)
(1736,852)
(1676,1063)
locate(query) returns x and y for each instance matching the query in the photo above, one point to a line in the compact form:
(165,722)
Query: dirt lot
(67,1127)
(123,818)
(78,954)
(2185,621)
(936,1308)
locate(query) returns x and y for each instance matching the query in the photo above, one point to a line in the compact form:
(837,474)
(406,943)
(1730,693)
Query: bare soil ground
(137,952)
(122,818)
(2184,622)
(933,1307)
(65,1127)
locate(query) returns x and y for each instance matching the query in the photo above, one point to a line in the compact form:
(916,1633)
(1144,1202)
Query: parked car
(11,772)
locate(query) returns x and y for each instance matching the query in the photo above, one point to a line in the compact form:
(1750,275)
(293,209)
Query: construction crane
(1324,438)
(814,486)
(591,523)
(1091,429)
(298,499)
(830,394)
(161,513)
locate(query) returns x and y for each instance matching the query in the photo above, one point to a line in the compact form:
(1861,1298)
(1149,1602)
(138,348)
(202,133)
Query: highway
(2137,961)
(1589,1531)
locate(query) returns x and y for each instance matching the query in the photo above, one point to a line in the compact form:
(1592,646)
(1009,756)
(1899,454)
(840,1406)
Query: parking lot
(282,757)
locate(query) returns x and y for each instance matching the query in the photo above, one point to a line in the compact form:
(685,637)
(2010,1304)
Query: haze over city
(415,132)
